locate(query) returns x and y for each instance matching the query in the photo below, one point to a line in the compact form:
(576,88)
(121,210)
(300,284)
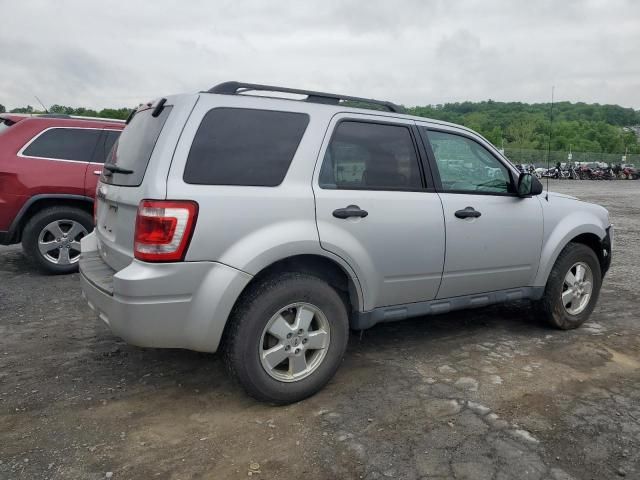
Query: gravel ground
(487,394)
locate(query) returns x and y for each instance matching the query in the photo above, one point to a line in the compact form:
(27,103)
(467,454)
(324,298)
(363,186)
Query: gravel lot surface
(487,394)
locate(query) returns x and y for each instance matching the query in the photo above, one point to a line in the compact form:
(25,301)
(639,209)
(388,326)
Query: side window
(370,156)
(465,165)
(238,146)
(105,144)
(64,144)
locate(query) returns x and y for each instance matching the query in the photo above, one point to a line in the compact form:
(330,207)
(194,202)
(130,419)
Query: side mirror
(528,185)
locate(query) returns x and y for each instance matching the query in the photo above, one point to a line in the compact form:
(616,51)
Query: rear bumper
(170,305)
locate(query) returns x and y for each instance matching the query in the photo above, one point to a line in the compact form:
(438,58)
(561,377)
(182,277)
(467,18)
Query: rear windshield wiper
(113,168)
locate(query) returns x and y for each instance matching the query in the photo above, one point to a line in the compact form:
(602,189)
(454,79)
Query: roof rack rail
(234,88)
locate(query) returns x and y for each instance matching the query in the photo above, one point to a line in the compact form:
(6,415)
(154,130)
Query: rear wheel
(51,238)
(286,338)
(573,287)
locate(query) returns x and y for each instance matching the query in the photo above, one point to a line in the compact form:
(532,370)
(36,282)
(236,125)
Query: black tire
(243,336)
(35,226)
(550,306)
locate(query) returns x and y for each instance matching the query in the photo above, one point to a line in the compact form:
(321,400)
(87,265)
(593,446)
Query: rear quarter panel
(249,227)
(25,177)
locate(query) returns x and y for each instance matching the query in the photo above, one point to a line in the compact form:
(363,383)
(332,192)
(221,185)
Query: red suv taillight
(164,229)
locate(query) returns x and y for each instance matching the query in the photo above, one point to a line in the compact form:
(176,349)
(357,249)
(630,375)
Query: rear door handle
(468,212)
(97,172)
(350,211)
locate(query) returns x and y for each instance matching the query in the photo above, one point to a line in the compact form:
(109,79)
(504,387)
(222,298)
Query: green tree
(27,109)
(61,109)
(120,113)
(579,126)
(521,132)
(115,113)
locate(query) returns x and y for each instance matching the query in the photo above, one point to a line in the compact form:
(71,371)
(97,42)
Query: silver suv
(268,227)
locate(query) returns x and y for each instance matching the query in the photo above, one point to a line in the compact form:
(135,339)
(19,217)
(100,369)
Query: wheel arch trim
(266,261)
(17,221)
(353,282)
(564,233)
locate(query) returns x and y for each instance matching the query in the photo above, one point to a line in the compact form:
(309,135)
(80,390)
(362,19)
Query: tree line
(117,113)
(579,127)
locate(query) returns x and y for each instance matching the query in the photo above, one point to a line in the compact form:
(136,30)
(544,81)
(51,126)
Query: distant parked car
(49,167)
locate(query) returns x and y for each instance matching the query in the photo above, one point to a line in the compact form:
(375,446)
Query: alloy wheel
(59,241)
(294,342)
(577,288)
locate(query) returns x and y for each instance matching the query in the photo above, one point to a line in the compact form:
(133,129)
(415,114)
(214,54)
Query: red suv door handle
(97,172)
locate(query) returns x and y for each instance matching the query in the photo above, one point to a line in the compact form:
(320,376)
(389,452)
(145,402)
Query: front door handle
(468,212)
(350,211)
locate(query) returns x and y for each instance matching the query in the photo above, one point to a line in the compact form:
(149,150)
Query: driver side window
(466,166)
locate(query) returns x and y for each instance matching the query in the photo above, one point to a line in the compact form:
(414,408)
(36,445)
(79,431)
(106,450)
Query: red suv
(49,167)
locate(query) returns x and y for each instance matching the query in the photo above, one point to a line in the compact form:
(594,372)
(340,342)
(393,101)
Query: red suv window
(64,143)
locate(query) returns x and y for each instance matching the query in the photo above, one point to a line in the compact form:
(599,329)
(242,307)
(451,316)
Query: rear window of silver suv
(133,149)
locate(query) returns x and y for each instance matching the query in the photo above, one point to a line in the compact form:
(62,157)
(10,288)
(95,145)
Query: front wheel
(573,287)
(286,338)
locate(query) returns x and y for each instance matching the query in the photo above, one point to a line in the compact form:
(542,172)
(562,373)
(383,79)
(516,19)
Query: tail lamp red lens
(164,229)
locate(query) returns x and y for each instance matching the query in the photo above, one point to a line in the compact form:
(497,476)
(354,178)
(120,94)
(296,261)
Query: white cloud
(119,53)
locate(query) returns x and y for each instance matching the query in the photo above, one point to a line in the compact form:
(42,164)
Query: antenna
(550,134)
(40,102)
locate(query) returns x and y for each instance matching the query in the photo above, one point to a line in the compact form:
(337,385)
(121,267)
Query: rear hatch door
(141,156)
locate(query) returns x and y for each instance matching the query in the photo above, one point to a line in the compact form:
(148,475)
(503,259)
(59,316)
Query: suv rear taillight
(164,229)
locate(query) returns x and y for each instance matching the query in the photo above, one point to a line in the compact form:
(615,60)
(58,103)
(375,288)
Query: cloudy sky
(121,52)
